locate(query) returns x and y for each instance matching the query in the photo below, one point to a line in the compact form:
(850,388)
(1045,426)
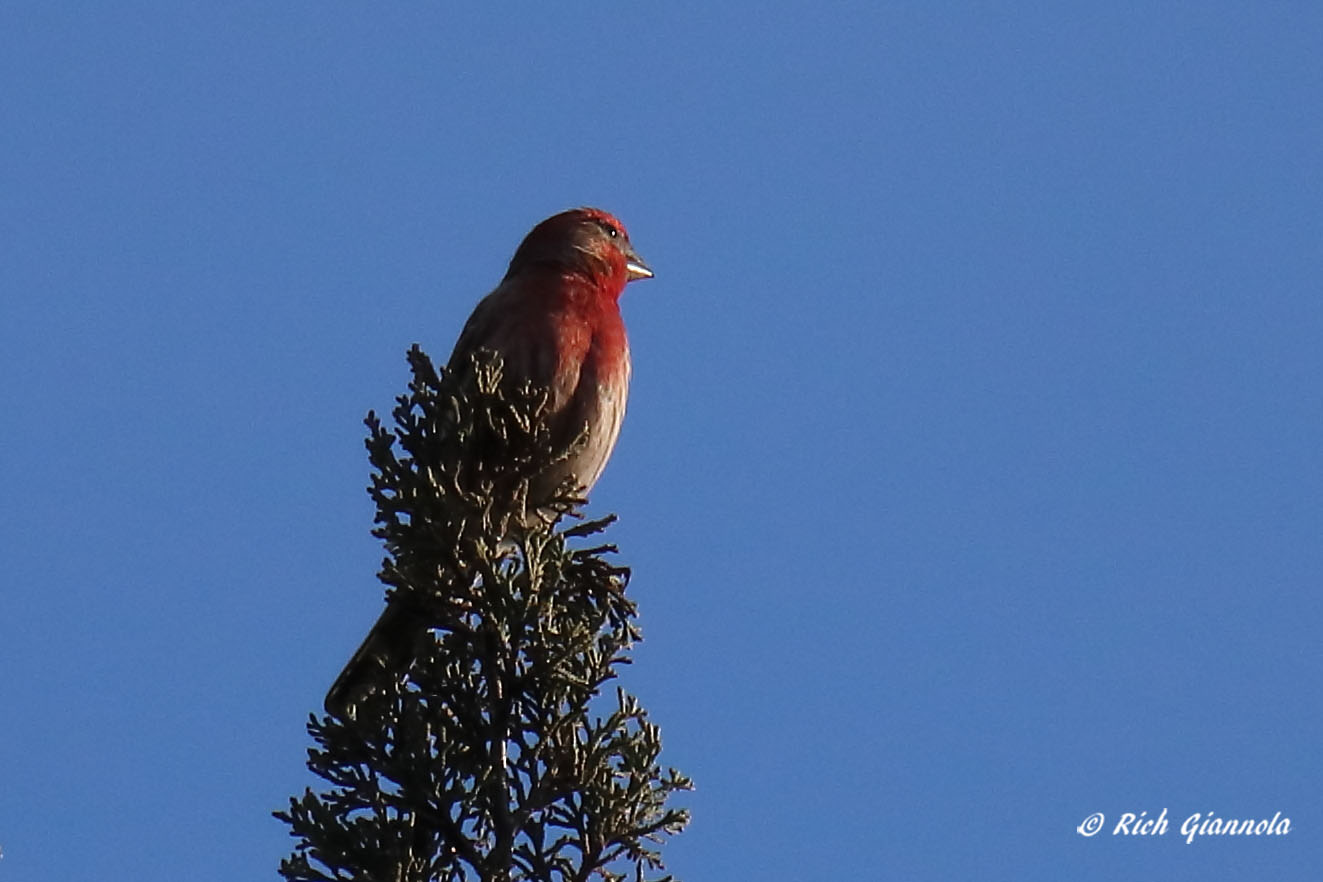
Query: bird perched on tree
(554,320)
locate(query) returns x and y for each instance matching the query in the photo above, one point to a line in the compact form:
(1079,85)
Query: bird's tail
(384,653)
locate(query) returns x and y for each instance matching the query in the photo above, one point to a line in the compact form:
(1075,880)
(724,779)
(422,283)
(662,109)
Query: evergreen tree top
(492,754)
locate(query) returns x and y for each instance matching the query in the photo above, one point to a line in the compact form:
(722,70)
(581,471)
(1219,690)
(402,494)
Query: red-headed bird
(555,320)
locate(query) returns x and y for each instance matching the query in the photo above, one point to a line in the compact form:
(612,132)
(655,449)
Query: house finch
(554,320)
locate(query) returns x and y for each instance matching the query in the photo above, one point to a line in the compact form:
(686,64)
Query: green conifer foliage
(495,755)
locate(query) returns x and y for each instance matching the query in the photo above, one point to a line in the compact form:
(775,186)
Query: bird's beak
(635,266)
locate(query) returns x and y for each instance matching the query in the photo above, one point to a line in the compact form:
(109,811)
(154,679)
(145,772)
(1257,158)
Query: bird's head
(587,241)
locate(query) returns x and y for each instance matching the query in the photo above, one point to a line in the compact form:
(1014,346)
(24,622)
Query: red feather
(554,320)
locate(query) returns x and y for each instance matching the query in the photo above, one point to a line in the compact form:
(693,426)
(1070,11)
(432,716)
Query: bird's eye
(609,229)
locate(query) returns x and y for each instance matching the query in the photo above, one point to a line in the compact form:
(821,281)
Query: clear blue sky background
(971,477)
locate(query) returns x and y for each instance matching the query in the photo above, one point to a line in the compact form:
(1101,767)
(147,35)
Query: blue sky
(971,477)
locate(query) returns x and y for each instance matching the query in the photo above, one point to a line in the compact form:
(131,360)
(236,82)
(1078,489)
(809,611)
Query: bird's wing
(536,343)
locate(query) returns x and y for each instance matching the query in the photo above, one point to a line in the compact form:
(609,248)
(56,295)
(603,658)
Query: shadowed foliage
(493,753)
